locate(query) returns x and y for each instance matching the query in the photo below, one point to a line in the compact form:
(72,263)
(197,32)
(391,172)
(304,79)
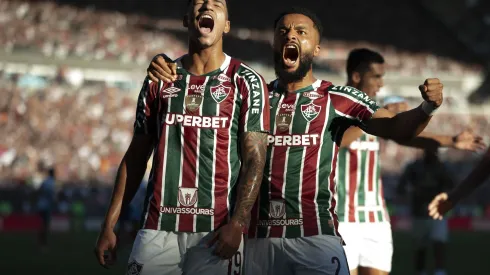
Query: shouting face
(296,43)
(207,21)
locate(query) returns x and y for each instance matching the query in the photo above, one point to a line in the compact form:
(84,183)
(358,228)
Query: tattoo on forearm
(254,148)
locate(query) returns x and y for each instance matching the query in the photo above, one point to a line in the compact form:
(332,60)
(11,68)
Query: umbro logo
(171,90)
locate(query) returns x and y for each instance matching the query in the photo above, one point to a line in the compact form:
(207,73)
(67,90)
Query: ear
(316,51)
(227,27)
(185,21)
(356,77)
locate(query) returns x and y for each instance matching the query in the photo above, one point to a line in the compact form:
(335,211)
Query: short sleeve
(351,103)
(255,109)
(146,109)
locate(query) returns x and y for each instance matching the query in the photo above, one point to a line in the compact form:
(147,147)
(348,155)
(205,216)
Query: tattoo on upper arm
(253,151)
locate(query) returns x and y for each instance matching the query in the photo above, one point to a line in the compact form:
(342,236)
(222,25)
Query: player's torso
(295,197)
(359,189)
(196,161)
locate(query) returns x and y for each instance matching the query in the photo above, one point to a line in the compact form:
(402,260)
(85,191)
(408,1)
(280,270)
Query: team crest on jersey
(193,102)
(283,121)
(310,111)
(277,209)
(134,268)
(220,92)
(187,196)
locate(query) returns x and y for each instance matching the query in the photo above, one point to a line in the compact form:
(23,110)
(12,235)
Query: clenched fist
(431,91)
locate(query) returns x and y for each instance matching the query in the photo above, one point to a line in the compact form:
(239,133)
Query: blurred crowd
(61,32)
(82,131)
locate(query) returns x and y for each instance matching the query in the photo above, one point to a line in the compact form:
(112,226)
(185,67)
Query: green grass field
(71,254)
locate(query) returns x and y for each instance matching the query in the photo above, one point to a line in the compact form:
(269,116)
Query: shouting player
(361,209)
(444,202)
(294,225)
(208,132)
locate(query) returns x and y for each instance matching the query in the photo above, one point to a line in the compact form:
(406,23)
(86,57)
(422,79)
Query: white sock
(440,272)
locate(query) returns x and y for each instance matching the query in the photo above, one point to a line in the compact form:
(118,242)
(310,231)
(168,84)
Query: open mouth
(206,23)
(290,54)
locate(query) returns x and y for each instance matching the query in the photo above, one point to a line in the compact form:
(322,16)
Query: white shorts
(426,230)
(178,253)
(315,255)
(368,244)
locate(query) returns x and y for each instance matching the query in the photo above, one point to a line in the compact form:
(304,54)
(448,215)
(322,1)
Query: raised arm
(465,140)
(409,124)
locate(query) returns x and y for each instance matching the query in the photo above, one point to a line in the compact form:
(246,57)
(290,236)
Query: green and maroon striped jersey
(297,193)
(196,122)
(359,190)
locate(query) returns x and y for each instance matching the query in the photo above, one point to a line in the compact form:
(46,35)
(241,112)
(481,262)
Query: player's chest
(200,95)
(299,113)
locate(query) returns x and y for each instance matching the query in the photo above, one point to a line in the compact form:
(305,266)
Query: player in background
(208,132)
(45,203)
(426,177)
(445,201)
(361,209)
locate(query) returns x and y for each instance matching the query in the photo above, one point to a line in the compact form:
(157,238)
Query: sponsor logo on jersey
(220,93)
(280,222)
(187,196)
(208,122)
(283,121)
(312,95)
(198,89)
(277,209)
(186,210)
(277,215)
(255,91)
(134,268)
(193,102)
(356,93)
(222,78)
(310,111)
(170,92)
(294,140)
(364,145)
(288,107)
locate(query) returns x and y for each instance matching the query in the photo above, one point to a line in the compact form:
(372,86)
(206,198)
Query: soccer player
(208,132)
(294,225)
(363,218)
(444,202)
(427,176)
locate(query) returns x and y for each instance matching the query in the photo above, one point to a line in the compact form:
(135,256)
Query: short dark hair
(306,12)
(359,60)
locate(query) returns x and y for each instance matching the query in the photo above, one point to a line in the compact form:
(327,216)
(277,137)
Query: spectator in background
(428,177)
(45,205)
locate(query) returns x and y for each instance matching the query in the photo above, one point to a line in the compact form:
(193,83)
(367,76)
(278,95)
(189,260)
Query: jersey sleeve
(146,109)
(352,103)
(255,109)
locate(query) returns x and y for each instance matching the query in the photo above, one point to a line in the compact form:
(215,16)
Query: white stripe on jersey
(353,99)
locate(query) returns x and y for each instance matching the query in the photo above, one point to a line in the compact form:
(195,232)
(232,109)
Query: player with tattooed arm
(207,129)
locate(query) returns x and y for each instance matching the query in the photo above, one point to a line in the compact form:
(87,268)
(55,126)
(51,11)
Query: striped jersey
(297,193)
(359,190)
(196,122)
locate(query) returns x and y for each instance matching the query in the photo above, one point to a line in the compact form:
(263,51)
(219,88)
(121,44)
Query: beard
(305,63)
